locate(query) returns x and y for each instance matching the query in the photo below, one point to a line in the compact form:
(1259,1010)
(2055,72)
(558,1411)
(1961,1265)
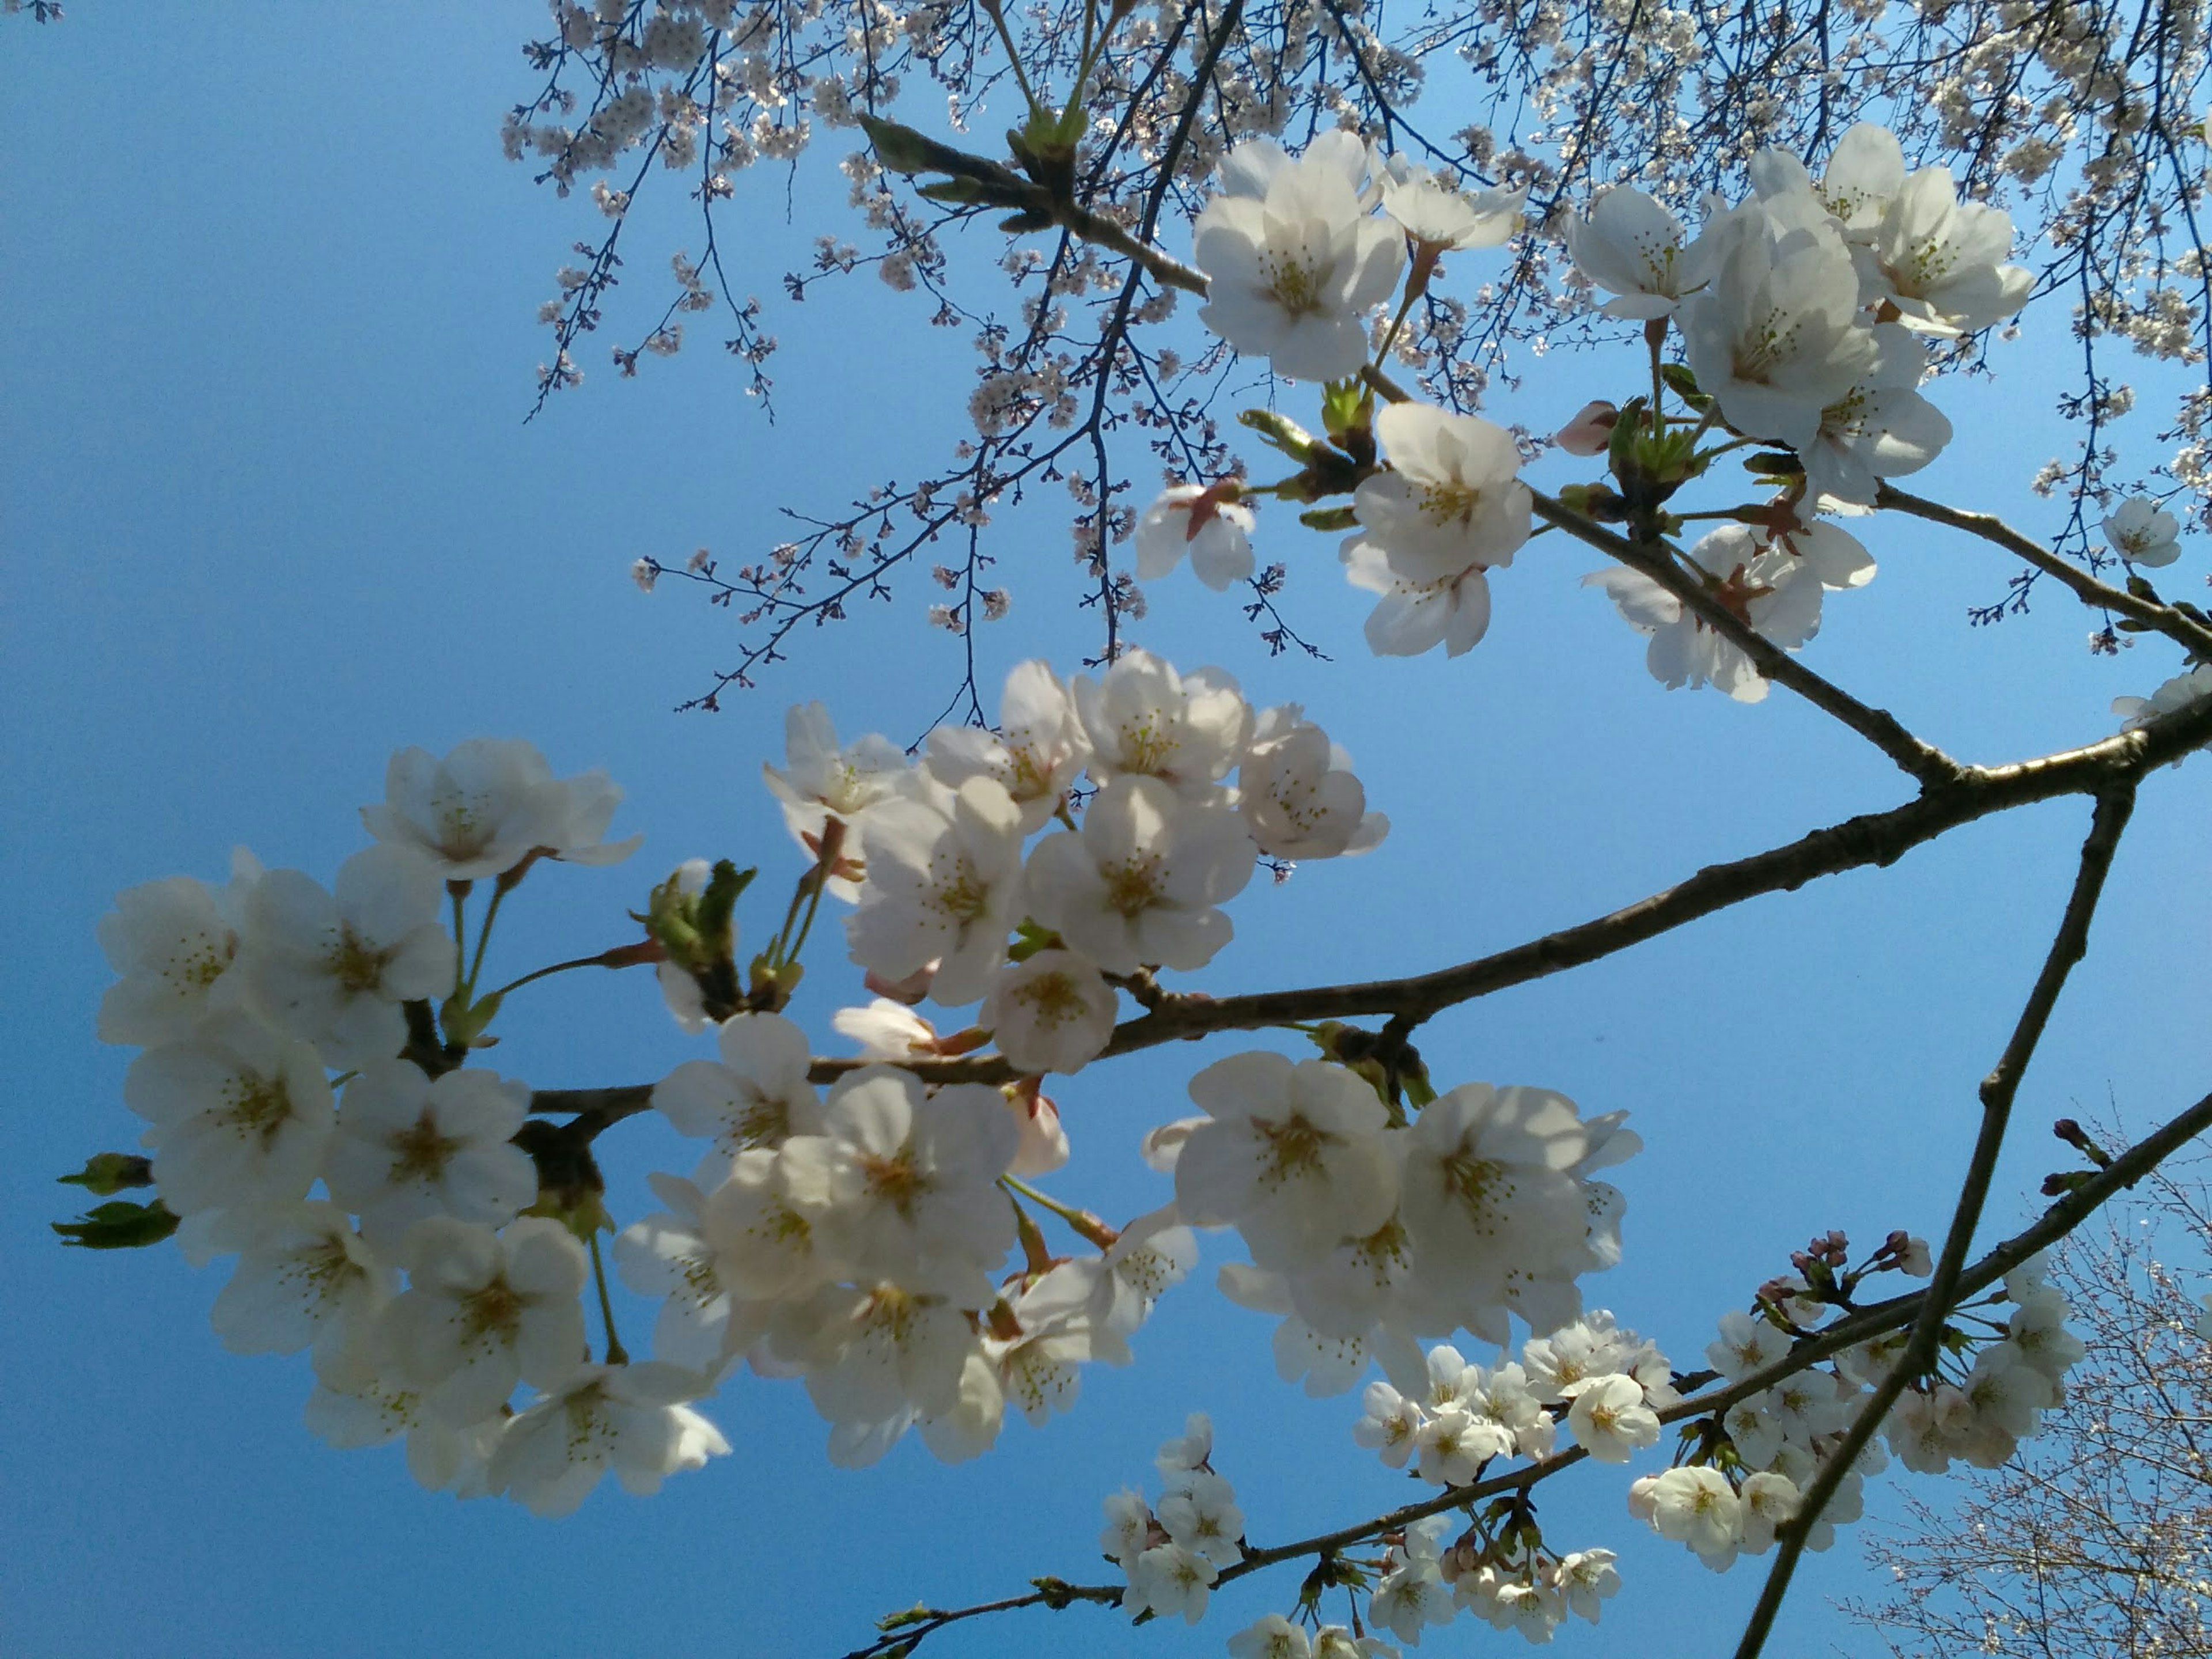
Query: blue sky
(269,511)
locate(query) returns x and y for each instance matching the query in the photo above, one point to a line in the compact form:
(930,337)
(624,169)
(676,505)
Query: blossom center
(357,965)
(259,1109)
(1134,885)
(1052,1000)
(420,1151)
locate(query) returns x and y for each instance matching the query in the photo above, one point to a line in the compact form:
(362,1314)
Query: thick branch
(1998,1091)
(2163,618)
(1877,838)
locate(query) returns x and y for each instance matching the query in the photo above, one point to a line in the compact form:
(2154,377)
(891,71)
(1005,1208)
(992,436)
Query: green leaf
(1684,385)
(1029,938)
(108,1173)
(912,1615)
(118,1226)
(1330,517)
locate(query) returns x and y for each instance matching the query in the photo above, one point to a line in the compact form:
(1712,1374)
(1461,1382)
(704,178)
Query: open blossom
(1214,529)
(1636,249)
(304,1278)
(1450,508)
(2179,692)
(443,1457)
(942,879)
(903,1186)
(632,1420)
(1747,1344)
(717,1259)
(756,1095)
(332,967)
(1137,884)
(489,804)
(1168,1578)
(1248,168)
(1292,1156)
(1865,171)
(1292,273)
(408,1146)
(1051,1012)
(1199,1512)
(1696,1506)
(1412,1596)
(1882,427)
(1938,264)
(1611,1421)
(1273,1637)
(2142,534)
(1486,1192)
(877,1360)
(1128,1528)
(1036,753)
(1143,718)
(239,1114)
(1297,793)
(173,943)
(1440,218)
(1775,339)
(484,1310)
(1772,584)
(822,779)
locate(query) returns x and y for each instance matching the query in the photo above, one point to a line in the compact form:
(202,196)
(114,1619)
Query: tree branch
(1878,726)
(1879,838)
(2068,947)
(1877,1320)
(2163,618)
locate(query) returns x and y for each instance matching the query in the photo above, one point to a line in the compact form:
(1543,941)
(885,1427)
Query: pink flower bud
(1590,431)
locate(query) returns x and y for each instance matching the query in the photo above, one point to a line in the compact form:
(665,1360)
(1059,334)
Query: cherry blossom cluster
(1605,1382)
(1368,1231)
(857,1241)
(1800,309)
(1173,1551)
(245,998)
(1978,1412)
(1188,787)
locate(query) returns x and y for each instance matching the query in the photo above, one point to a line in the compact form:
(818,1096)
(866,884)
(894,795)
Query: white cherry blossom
(1168,1579)
(1939,264)
(941,889)
(756,1095)
(1865,171)
(1272,1637)
(903,1186)
(2140,533)
(1293,1156)
(1747,1344)
(632,1420)
(484,1310)
(822,779)
(1637,250)
(240,1113)
(1297,793)
(443,1457)
(1214,529)
(1695,1505)
(1248,168)
(1050,1012)
(878,1359)
(1450,507)
(489,804)
(305,1278)
(1128,1528)
(1036,753)
(333,967)
(174,942)
(1611,1421)
(1292,273)
(1137,884)
(1775,339)
(1881,428)
(408,1146)
(1443,219)
(1199,1512)
(1143,718)
(2180,691)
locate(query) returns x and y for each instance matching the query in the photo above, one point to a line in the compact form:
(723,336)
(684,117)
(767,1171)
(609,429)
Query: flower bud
(1590,432)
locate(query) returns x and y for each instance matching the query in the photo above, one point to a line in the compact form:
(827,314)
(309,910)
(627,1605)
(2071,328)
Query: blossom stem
(616,1354)
(622,955)
(484,937)
(458,892)
(1082,1221)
